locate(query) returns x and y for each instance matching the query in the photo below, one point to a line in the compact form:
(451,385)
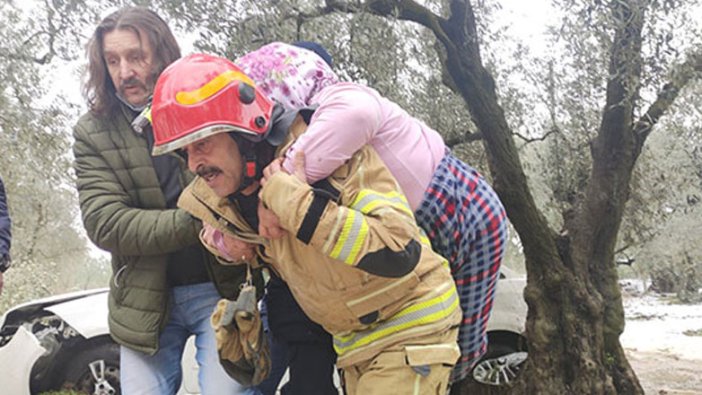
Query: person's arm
(375,232)
(347,118)
(109,219)
(5,224)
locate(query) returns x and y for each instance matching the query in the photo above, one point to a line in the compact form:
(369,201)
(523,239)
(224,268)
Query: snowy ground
(664,343)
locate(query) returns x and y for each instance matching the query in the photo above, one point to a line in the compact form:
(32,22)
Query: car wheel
(94,370)
(500,365)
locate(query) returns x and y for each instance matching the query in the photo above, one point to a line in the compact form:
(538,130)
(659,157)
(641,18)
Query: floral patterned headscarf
(288,74)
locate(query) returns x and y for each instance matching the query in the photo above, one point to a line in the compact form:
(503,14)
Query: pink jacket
(350,116)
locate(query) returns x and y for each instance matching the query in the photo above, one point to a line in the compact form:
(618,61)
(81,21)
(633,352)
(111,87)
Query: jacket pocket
(368,302)
(118,282)
(432,354)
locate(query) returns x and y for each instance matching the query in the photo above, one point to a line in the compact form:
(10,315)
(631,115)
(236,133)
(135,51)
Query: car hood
(85,311)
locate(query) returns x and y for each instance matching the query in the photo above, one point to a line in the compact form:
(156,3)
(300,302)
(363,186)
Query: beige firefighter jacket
(353,255)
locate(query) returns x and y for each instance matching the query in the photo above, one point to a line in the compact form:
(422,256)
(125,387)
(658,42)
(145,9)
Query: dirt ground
(666,374)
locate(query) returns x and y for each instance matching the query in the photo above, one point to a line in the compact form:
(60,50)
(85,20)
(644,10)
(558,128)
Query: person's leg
(406,369)
(212,378)
(279,364)
(465,220)
(158,374)
(291,328)
(311,369)
(391,371)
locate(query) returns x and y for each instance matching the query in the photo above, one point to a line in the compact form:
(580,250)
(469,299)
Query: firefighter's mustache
(207,171)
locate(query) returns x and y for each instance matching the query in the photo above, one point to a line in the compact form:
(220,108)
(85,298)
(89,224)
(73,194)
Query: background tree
(562,135)
(601,116)
(575,310)
(49,251)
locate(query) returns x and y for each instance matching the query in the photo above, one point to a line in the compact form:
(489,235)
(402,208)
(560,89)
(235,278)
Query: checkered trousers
(466,223)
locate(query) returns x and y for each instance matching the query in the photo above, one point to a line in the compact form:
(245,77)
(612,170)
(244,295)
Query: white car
(62,342)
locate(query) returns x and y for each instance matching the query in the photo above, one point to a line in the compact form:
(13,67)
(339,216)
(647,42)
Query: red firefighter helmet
(201,95)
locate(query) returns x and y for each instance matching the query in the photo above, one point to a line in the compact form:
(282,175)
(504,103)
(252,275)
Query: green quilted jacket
(124,212)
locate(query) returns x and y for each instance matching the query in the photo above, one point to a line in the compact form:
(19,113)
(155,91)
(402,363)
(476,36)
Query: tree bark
(575,308)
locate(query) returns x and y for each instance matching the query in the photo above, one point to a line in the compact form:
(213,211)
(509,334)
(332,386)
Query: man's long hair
(98,89)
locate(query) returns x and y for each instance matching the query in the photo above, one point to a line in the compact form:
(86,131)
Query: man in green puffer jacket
(162,289)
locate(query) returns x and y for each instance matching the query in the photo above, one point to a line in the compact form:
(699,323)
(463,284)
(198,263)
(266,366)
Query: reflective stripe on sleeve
(369,200)
(353,234)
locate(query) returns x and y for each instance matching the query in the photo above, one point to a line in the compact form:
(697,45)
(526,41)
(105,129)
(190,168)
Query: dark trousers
(296,343)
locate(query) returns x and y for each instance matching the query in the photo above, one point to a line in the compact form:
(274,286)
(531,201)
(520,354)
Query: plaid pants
(466,224)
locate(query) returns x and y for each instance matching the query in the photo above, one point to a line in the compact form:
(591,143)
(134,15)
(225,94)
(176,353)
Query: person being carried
(5,235)
(352,253)
(162,289)
(459,211)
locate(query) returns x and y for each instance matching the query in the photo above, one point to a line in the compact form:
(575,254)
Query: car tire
(93,370)
(500,366)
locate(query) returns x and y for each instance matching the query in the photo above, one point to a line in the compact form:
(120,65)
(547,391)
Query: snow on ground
(654,323)
(666,360)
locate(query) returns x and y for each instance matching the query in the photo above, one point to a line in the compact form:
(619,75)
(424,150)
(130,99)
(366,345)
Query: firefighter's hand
(207,233)
(240,251)
(229,248)
(274,167)
(277,166)
(269,223)
(299,166)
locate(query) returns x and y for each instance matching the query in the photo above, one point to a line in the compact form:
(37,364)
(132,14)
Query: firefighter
(352,253)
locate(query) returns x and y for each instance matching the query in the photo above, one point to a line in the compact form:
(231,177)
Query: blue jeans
(161,373)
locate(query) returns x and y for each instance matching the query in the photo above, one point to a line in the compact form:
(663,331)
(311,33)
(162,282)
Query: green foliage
(610,360)
(553,100)
(48,247)
(690,332)
(396,58)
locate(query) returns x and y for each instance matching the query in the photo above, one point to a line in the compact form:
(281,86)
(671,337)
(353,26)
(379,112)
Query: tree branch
(407,10)
(467,137)
(26,58)
(681,76)
(534,139)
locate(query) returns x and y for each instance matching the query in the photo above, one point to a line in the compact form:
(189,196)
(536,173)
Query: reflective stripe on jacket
(353,255)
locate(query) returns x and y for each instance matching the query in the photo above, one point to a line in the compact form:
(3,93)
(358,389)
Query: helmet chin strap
(251,170)
(253,164)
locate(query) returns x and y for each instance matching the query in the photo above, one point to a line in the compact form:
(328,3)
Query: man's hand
(229,248)
(269,223)
(239,251)
(277,166)
(274,167)
(208,233)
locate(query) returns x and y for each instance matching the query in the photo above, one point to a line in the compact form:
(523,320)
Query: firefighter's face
(217,160)
(129,61)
